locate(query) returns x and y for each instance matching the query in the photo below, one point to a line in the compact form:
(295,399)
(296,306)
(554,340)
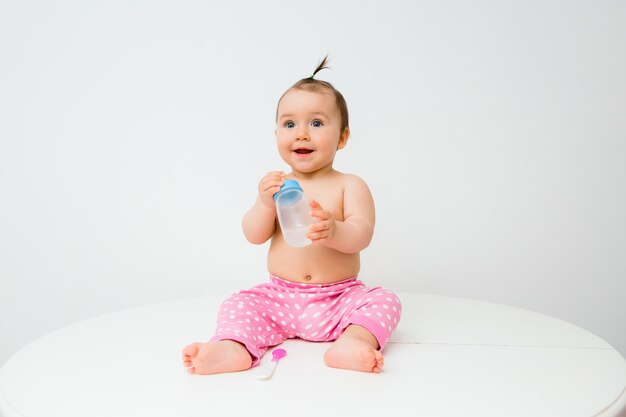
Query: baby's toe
(191,350)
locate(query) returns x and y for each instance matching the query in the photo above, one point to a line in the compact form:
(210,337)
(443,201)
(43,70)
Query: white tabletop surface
(448,357)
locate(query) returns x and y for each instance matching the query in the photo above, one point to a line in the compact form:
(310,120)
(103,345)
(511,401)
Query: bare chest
(328,195)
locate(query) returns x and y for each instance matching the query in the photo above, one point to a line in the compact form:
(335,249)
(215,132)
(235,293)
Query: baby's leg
(245,328)
(356,349)
(371,314)
(216,357)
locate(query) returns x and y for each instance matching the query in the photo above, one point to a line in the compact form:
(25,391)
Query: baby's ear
(343,139)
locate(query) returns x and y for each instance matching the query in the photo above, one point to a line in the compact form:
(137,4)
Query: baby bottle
(292,208)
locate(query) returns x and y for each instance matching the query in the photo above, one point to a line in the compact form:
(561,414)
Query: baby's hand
(325,227)
(269,185)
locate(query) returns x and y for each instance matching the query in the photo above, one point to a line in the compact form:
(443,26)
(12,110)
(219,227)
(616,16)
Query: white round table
(448,357)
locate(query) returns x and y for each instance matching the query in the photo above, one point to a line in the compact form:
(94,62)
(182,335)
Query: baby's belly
(314,264)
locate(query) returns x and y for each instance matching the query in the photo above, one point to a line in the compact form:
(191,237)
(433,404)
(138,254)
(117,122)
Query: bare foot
(216,357)
(355,350)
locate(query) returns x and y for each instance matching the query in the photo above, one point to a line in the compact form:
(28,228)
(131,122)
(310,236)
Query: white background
(133,135)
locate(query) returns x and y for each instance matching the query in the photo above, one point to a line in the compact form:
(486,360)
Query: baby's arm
(259,223)
(354,233)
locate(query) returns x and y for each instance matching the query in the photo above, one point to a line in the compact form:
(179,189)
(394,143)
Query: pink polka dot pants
(269,313)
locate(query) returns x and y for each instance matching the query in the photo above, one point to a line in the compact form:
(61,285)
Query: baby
(313,292)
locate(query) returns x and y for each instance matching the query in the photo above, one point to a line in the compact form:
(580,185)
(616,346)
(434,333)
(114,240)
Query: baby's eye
(317,123)
(289,124)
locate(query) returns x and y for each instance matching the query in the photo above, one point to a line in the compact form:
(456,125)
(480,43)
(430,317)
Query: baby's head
(317,86)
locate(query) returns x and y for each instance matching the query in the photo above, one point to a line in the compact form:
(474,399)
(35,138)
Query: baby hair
(319,86)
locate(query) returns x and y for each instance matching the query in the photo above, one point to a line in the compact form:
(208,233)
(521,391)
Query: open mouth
(303,151)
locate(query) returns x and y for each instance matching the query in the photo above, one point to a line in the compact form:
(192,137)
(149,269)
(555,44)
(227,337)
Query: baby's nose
(302,134)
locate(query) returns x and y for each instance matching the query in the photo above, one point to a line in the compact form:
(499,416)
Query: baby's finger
(272,176)
(312,236)
(317,227)
(317,236)
(272,186)
(315,205)
(277,173)
(280,176)
(275,177)
(271,191)
(272,183)
(320,214)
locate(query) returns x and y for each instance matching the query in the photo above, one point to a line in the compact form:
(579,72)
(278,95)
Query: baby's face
(308,130)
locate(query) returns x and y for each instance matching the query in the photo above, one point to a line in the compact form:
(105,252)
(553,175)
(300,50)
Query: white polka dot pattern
(283,310)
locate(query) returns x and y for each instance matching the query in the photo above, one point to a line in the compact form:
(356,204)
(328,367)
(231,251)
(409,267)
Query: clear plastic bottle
(292,208)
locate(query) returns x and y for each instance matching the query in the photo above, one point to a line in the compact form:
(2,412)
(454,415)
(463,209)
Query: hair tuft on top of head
(322,65)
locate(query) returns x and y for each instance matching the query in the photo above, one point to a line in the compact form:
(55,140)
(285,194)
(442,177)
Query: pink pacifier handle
(278,354)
